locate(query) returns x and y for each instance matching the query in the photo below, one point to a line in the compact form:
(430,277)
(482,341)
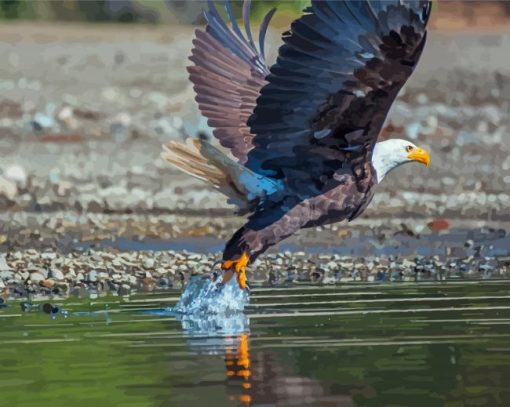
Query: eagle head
(392,153)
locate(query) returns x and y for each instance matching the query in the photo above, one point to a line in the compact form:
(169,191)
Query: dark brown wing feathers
(340,68)
(227,75)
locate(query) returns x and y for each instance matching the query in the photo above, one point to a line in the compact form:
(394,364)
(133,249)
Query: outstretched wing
(336,76)
(227,74)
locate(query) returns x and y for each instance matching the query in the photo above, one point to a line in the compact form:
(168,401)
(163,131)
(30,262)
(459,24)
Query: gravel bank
(29,273)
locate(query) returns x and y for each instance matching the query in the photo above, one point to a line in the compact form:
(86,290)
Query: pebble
(56,274)
(25,306)
(148,263)
(50,309)
(37,277)
(124,290)
(164,282)
(22,275)
(16,173)
(8,188)
(6,275)
(42,121)
(49,283)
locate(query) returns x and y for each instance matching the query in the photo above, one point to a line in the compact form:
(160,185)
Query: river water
(402,344)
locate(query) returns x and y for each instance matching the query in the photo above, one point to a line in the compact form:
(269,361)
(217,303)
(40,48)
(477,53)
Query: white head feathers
(390,154)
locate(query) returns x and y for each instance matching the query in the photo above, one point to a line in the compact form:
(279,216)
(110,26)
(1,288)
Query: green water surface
(352,345)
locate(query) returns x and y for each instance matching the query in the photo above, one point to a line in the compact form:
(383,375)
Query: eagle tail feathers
(198,158)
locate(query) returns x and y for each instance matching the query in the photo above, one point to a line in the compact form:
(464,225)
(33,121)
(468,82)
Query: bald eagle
(303,131)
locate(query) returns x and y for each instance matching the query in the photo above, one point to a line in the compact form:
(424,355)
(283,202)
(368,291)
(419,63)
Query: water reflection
(218,336)
(238,367)
(196,326)
(213,323)
(253,377)
(213,334)
(228,336)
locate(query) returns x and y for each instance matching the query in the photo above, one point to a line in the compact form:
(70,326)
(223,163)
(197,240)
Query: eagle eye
(409,149)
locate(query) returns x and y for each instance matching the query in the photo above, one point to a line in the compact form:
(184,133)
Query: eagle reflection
(227,335)
(253,378)
(238,367)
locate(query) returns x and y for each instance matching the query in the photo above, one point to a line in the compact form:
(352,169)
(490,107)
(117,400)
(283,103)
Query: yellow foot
(239,266)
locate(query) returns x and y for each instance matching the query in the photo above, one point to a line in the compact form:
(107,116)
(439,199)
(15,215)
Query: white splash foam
(205,297)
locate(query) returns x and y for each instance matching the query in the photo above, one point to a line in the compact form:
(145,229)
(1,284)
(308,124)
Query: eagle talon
(239,266)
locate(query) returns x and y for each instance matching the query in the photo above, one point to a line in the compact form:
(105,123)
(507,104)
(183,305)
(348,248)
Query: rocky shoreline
(31,273)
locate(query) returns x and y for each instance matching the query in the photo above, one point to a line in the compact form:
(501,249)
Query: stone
(22,275)
(42,121)
(37,276)
(8,188)
(148,284)
(6,274)
(124,290)
(48,255)
(163,282)
(17,174)
(56,274)
(148,263)
(48,283)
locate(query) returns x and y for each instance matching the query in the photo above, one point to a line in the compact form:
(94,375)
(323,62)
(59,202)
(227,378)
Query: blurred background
(90,90)
(455,13)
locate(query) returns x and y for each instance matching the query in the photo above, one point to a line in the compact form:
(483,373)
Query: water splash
(205,297)
(211,314)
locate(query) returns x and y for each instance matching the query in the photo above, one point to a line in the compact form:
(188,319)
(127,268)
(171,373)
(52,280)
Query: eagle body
(279,217)
(303,131)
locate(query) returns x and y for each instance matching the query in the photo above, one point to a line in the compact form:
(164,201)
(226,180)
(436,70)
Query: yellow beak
(420,155)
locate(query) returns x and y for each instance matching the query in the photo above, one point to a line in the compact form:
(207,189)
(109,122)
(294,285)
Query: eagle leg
(239,267)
